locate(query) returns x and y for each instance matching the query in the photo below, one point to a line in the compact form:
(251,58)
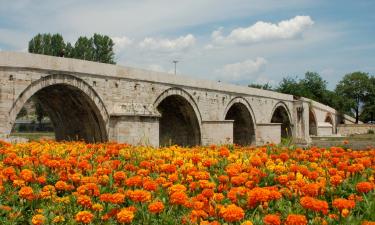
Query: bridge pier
(136,130)
(217,132)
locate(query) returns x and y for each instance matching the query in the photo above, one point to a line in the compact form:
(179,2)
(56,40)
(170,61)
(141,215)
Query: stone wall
(348,129)
(268,133)
(217,132)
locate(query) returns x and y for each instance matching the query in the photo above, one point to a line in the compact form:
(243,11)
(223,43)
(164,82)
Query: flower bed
(78,183)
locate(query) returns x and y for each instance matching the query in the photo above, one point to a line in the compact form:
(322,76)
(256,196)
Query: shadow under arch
(244,124)
(180,121)
(74,107)
(329,119)
(281,114)
(313,124)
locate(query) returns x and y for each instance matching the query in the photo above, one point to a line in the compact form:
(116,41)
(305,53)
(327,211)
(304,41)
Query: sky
(238,41)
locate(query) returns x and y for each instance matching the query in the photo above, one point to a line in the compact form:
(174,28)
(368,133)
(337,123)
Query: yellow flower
(58,219)
(38,219)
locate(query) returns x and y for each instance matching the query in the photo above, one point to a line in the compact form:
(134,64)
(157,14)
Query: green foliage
(354,87)
(312,86)
(83,49)
(98,48)
(292,86)
(368,112)
(266,86)
(22,113)
(103,49)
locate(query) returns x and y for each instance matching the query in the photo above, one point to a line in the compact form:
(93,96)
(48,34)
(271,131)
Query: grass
(32,136)
(356,141)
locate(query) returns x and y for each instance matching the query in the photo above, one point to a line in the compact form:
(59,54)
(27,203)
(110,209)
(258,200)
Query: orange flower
(150,185)
(119,176)
(295,219)
(177,188)
(311,190)
(314,204)
(135,181)
(345,212)
(224,152)
(27,175)
(97,207)
(232,213)
(336,180)
(125,216)
(38,219)
(156,207)
(84,201)
(61,185)
(342,203)
(259,195)
(84,217)
(282,179)
(364,187)
(178,198)
(272,219)
(140,196)
(117,198)
(26,193)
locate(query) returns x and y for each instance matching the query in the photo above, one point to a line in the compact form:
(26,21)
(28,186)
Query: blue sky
(238,41)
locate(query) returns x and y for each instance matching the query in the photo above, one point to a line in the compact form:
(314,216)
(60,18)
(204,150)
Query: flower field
(76,183)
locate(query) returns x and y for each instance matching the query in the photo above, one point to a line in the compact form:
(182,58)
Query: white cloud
(264,31)
(121,42)
(241,70)
(168,45)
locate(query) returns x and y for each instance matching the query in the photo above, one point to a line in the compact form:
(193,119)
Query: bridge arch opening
(329,120)
(243,124)
(281,115)
(71,107)
(178,123)
(313,126)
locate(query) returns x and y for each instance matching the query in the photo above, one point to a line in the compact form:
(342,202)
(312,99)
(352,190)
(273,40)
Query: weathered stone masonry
(101,102)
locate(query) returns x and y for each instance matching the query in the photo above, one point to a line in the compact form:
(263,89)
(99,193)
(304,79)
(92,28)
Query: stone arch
(240,111)
(313,124)
(180,120)
(74,107)
(281,114)
(329,119)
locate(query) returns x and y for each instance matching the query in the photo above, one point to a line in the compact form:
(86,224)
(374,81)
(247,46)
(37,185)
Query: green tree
(99,48)
(266,86)
(84,49)
(69,50)
(354,87)
(314,87)
(35,44)
(292,86)
(39,111)
(368,113)
(57,45)
(103,49)
(47,44)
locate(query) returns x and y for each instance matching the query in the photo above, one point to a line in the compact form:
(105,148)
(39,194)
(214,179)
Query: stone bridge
(99,102)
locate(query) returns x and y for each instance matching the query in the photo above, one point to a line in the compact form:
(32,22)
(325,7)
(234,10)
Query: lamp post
(175,66)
